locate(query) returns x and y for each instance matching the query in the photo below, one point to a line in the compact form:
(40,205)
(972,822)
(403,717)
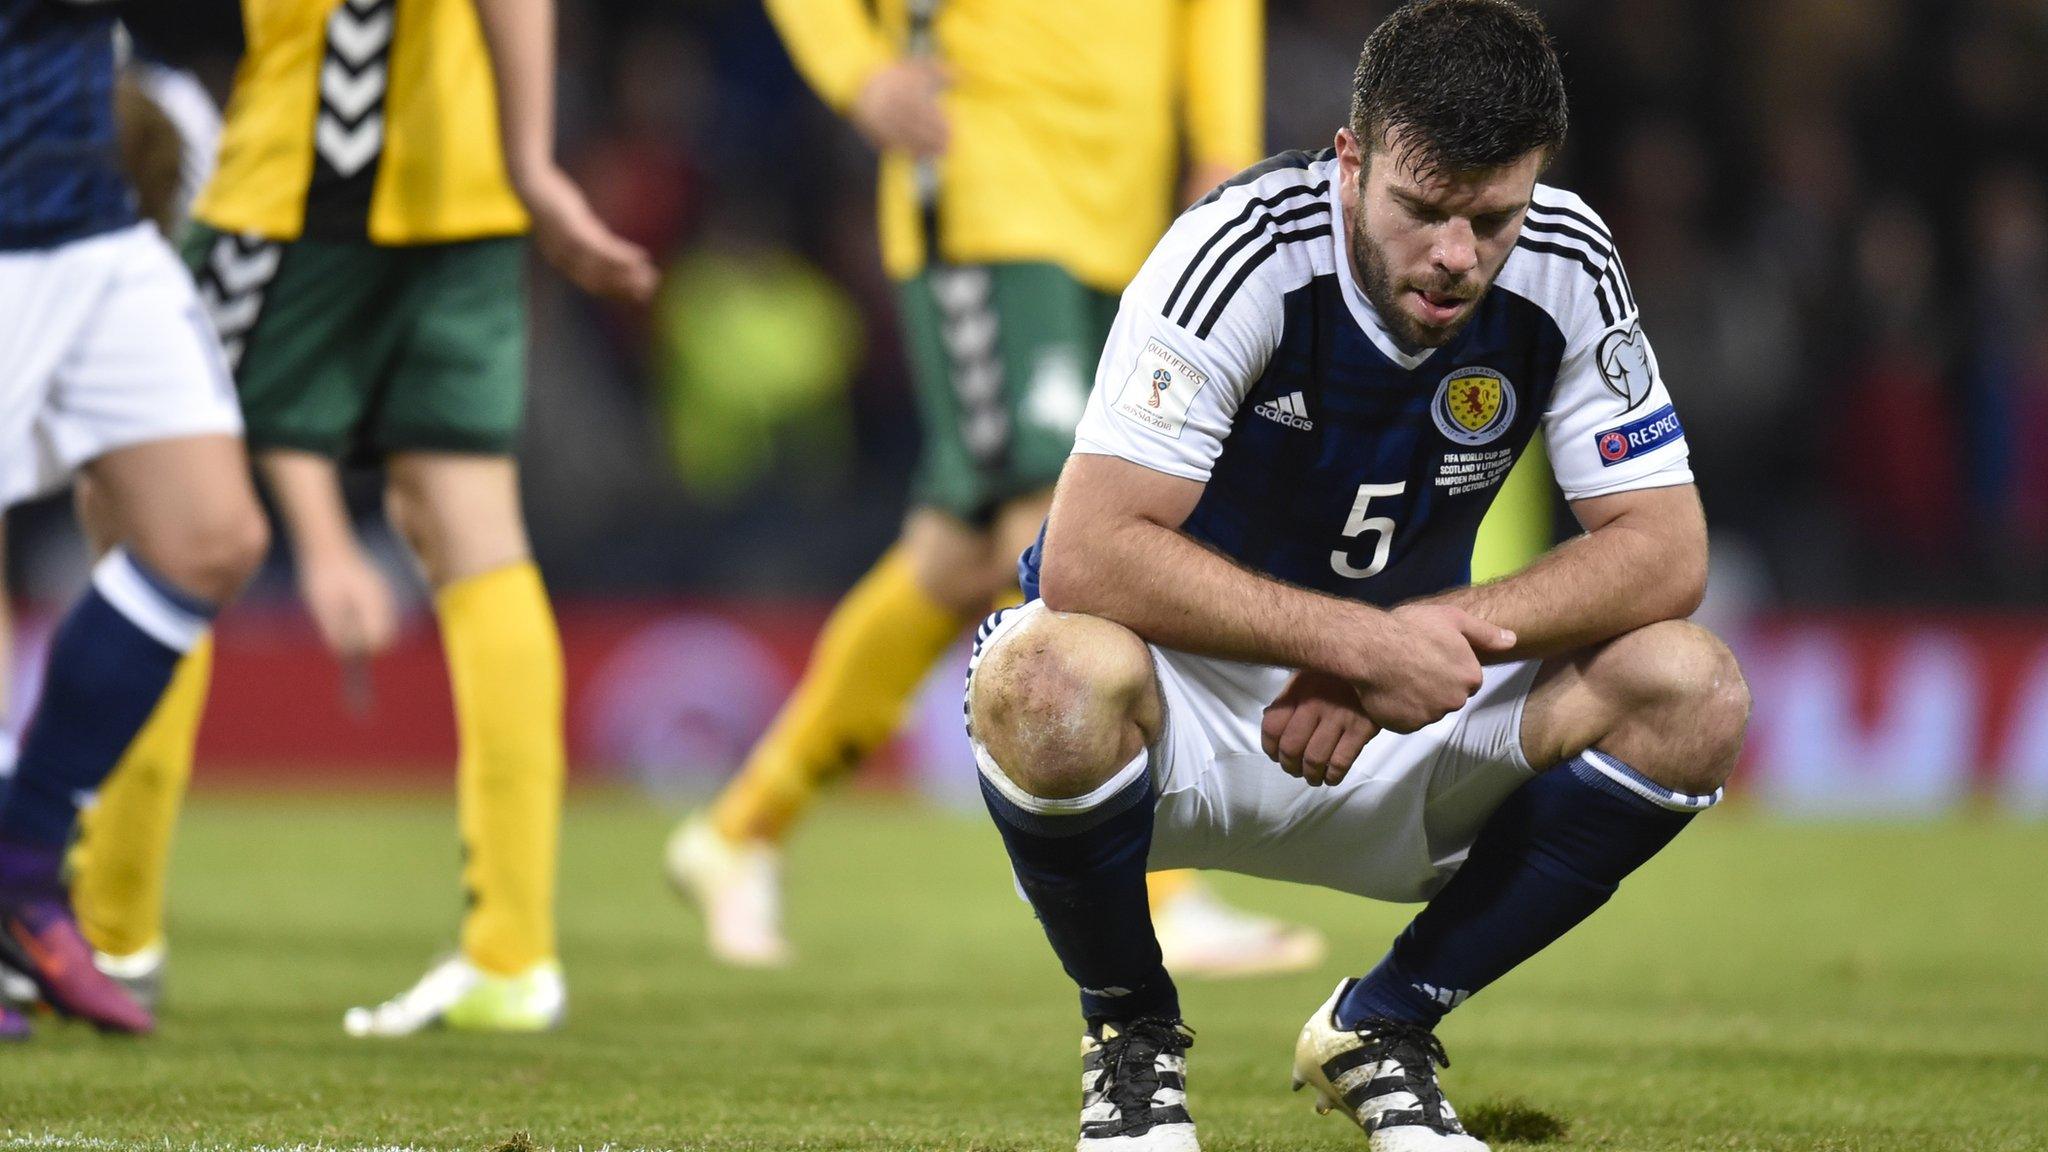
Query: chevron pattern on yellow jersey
(359,119)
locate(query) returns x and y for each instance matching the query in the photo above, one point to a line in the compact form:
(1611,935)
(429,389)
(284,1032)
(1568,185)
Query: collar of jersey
(1362,311)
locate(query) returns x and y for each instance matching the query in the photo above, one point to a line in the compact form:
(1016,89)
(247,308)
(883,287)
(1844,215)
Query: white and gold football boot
(1383,1076)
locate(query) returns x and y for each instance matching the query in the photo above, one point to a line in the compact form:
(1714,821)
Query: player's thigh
(1017,525)
(1668,691)
(967,568)
(184,506)
(458,382)
(143,401)
(306,330)
(1000,354)
(949,559)
(459,510)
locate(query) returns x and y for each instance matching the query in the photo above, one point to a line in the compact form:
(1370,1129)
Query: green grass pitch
(1761,986)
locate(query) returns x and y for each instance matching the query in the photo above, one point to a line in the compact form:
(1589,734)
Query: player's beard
(1377,282)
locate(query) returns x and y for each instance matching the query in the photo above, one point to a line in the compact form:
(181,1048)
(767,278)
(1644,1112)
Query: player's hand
(579,245)
(1427,665)
(898,109)
(1316,728)
(351,604)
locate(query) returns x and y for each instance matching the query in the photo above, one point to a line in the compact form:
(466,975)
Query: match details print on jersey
(1247,357)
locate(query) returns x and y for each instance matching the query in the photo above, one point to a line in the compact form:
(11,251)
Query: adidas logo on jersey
(1290,410)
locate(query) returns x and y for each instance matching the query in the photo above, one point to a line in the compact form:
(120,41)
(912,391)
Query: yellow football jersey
(363,119)
(1069,118)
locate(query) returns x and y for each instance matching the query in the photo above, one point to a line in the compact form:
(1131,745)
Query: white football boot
(17,990)
(1200,935)
(140,972)
(457,994)
(1383,1076)
(737,887)
(1134,1088)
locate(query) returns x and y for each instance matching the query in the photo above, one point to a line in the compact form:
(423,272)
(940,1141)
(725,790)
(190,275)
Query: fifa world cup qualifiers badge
(1474,405)
(1160,390)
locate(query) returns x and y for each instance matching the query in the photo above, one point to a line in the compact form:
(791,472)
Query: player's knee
(211,557)
(408,507)
(1063,702)
(963,589)
(1686,675)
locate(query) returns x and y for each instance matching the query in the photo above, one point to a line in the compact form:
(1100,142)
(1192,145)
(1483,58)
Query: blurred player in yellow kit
(1032,154)
(361,252)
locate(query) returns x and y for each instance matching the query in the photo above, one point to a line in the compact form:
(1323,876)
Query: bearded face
(1424,245)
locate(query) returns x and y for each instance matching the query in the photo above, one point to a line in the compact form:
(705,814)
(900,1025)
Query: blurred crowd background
(1835,215)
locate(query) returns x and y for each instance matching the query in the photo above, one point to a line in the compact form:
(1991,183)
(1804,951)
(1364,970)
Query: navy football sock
(110,660)
(1081,863)
(1554,851)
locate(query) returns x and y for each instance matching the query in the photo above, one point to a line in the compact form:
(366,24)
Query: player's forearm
(521,38)
(1632,571)
(307,491)
(1174,592)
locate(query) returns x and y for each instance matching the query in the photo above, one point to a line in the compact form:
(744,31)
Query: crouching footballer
(1251,642)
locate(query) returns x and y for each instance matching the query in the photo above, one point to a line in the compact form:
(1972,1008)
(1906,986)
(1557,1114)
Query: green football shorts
(352,350)
(1004,356)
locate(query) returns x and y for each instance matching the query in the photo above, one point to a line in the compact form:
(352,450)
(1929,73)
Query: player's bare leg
(460,514)
(187,534)
(879,645)
(120,861)
(1199,933)
(185,507)
(1667,700)
(1063,709)
(1632,738)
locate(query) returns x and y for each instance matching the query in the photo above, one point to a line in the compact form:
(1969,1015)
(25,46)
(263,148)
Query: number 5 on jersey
(1382,527)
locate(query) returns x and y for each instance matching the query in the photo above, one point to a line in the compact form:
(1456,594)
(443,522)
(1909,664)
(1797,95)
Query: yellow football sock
(873,653)
(121,857)
(505,667)
(1517,529)
(1161,887)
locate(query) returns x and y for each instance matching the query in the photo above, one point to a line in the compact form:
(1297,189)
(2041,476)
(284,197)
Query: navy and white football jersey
(1246,356)
(60,159)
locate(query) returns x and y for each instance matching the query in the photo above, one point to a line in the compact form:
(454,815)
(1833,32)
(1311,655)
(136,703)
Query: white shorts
(103,345)
(1396,827)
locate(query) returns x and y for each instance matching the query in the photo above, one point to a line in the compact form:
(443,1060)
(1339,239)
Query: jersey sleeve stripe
(1628,290)
(1601,250)
(1256,259)
(1559,211)
(1266,224)
(1612,276)
(1252,205)
(1579,257)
